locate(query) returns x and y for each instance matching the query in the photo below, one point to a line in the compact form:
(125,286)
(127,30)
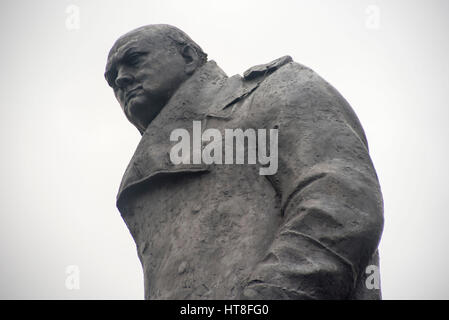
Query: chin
(137,107)
(143,113)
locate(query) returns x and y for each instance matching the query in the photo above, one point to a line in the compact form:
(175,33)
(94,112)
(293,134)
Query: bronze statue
(224,230)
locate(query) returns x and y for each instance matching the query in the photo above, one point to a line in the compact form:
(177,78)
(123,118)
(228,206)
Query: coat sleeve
(331,204)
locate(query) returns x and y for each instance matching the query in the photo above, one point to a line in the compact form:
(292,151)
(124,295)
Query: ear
(191,59)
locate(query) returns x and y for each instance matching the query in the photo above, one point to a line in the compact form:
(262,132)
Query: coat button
(182,267)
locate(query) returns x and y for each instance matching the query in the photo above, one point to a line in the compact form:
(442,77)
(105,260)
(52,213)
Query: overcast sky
(65,142)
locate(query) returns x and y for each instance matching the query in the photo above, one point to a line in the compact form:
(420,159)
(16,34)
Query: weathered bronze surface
(224,231)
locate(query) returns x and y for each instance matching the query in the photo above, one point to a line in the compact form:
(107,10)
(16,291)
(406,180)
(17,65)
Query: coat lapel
(191,102)
(209,92)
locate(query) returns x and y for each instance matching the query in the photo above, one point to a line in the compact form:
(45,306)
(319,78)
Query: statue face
(144,75)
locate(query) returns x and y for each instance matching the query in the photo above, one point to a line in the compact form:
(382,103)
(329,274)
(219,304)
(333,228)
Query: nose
(124,78)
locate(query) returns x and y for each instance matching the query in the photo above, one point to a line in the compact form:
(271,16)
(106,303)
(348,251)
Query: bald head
(162,35)
(147,65)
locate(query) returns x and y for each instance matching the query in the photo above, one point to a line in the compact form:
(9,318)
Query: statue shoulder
(263,70)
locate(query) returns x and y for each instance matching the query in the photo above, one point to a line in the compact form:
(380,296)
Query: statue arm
(330,198)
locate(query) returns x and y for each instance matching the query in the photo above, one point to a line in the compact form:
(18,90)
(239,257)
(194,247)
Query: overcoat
(223,231)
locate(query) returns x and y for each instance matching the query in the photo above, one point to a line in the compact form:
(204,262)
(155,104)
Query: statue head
(146,66)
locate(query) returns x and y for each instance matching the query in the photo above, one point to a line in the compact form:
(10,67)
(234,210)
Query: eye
(134,59)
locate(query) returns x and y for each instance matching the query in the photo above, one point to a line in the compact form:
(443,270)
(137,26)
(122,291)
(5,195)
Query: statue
(307,228)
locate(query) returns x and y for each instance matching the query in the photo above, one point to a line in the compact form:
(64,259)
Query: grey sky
(66,143)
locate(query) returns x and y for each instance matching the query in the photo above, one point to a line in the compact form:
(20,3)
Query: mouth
(132,94)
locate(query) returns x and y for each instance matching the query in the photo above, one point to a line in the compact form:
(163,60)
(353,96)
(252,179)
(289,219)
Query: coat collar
(208,92)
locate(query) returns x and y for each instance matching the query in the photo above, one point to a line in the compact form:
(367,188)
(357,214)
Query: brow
(120,56)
